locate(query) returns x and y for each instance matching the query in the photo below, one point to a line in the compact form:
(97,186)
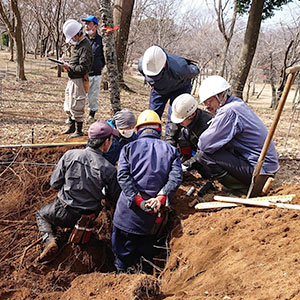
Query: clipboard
(59,62)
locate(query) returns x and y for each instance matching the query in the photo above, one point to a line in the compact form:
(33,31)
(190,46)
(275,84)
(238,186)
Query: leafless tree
(226,26)
(16,34)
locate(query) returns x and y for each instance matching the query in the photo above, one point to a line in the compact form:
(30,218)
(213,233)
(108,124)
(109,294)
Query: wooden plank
(262,203)
(214,205)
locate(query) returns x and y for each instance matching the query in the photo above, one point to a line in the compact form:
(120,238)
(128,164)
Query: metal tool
(259,180)
(208,186)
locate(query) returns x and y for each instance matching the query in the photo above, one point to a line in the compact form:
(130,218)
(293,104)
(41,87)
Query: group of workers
(222,144)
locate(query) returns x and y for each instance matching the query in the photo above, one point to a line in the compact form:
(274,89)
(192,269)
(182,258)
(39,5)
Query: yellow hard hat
(148,116)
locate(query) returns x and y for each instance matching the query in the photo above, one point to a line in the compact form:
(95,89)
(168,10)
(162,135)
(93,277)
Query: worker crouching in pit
(188,123)
(149,173)
(83,177)
(124,121)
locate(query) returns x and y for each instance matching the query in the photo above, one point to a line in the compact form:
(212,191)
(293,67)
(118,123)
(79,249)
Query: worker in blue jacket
(149,173)
(91,25)
(168,75)
(124,121)
(230,147)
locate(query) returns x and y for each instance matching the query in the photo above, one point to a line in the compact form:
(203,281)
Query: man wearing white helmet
(231,146)
(80,64)
(188,122)
(168,75)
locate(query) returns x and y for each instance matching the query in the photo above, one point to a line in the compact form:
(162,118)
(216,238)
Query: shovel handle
(291,76)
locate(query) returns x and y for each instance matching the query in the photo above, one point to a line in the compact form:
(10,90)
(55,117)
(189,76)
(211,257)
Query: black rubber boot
(78,132)
(233,185)
(71,128)
(92,113)
(91,118)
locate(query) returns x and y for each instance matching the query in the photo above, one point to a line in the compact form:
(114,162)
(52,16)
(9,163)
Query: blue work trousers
(229,161)
(129,249)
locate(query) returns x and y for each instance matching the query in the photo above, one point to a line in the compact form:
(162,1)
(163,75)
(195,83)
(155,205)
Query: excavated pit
(224,246)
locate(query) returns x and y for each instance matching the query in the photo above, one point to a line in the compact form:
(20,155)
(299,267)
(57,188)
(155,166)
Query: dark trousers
(128,249)
(158,102)
(53,215)
(226,160)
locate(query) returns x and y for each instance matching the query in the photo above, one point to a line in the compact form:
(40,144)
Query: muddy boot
(49,253)
(78,132)
(233,185)
(71,128)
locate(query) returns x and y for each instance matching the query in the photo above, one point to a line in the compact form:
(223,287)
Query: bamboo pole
(42,145)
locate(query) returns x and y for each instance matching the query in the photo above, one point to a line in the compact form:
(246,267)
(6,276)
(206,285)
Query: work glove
(162,199)
(141,203)
(184,168)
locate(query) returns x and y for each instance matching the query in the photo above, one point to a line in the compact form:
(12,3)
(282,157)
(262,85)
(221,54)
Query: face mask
(73,43)
(127,133)
(90,32)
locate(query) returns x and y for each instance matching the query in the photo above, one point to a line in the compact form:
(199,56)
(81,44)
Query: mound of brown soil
(111,286)
(238,253)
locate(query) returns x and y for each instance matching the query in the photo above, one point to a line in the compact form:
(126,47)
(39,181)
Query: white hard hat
(211,86)
(153,61)
(182,107)
(70,29)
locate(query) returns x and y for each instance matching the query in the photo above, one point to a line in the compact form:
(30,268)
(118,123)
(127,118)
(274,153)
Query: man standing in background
(91,24)
(80,64)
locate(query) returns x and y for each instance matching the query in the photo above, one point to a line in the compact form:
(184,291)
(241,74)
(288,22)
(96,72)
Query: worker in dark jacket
(78,67)
(149,173)
(91,25)
(124,121)
(82,177)
(188,123)
(168,75)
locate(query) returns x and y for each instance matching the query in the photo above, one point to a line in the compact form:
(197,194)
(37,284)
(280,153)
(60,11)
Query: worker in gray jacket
(83,177)
(79,66)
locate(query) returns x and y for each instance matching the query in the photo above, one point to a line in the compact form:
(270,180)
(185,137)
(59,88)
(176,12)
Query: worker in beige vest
(79,66)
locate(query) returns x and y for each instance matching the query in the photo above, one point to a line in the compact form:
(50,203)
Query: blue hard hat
(91,18)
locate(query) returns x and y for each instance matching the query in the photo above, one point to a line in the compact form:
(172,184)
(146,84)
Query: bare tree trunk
(272,81)
(248,91)
(19,43)
(122,13)
(283,76)
(110,54)
(12,44)
(248,49)
(57,43)
(227,34)
(17,36)
(11,48)
(253,88)
(24,44)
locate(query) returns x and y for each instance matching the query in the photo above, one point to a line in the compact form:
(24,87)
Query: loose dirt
(238,253)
